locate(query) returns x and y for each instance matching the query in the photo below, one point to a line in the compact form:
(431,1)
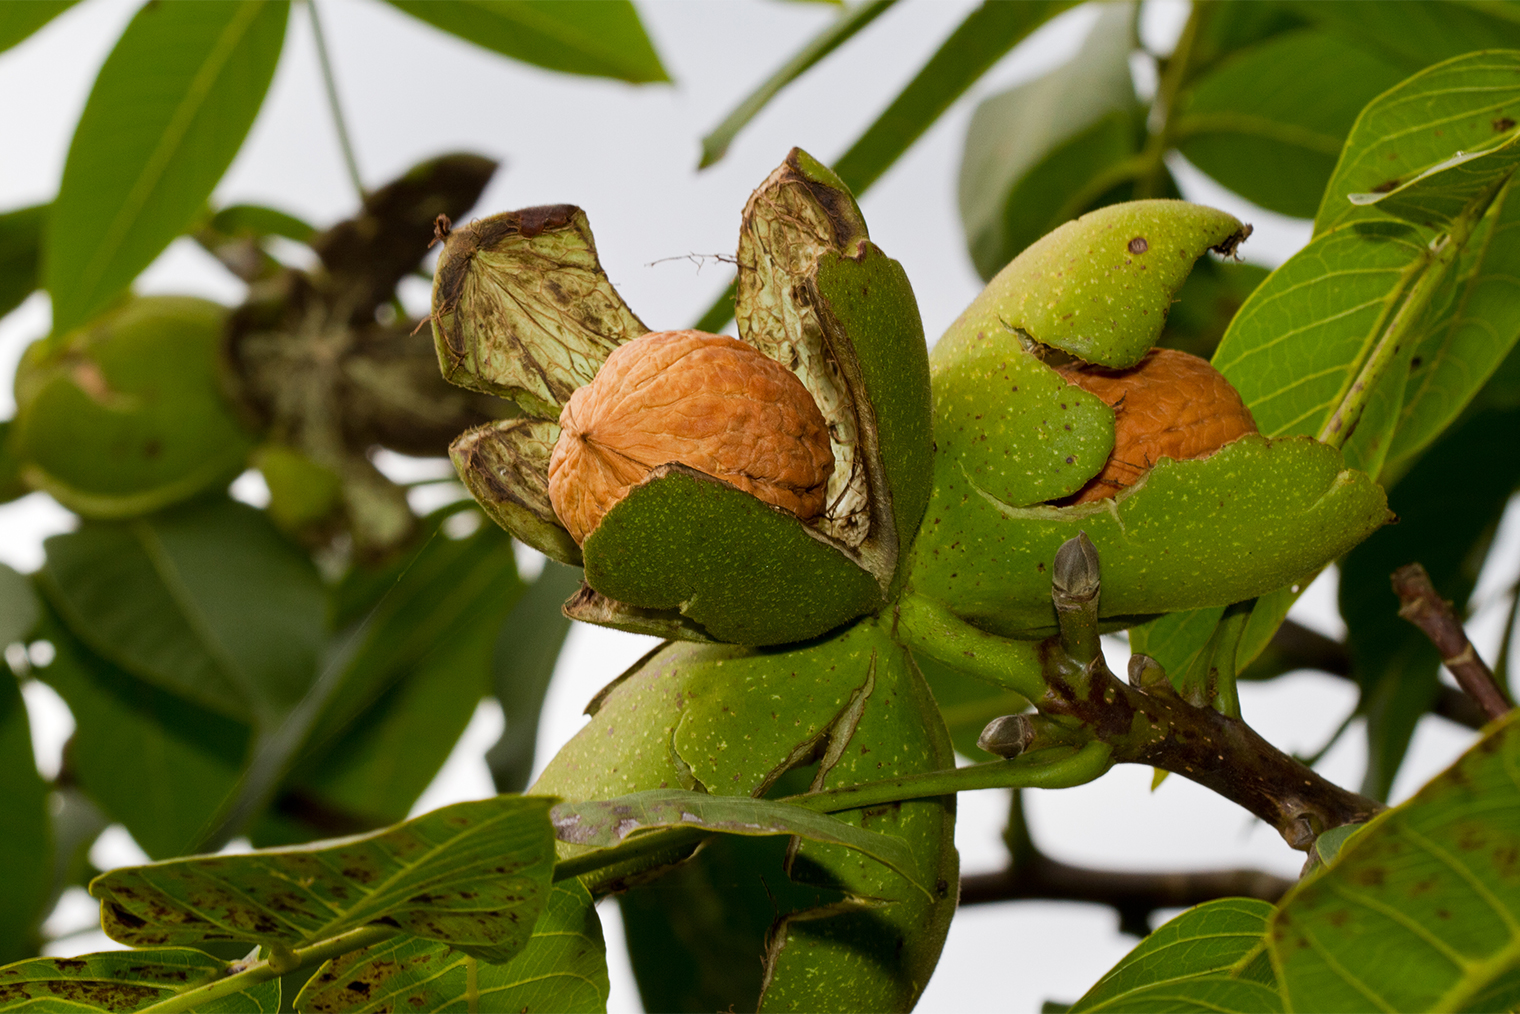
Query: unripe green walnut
(1030,454)
(126,414)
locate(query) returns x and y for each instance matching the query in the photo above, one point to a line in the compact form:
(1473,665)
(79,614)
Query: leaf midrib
(357,916)
(169,143)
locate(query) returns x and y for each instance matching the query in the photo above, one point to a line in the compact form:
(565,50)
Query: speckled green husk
(1098,287)
(731,720)
(1252,517)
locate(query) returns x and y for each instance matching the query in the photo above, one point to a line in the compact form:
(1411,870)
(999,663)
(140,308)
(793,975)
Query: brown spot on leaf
(1503,123)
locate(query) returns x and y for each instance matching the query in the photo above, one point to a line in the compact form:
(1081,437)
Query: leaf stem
(263,971)
(330,85)
(1031,771)
(849,21)
(1153,157)
(1036,770)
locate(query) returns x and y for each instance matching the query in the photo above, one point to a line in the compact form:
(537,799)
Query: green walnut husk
(706,718)
(523,309)
(1014,439)
(127,415)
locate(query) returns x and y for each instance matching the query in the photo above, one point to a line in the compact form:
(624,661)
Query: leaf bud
(1077,571)
(1007,736)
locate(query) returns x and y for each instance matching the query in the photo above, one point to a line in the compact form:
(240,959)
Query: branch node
(1422,605)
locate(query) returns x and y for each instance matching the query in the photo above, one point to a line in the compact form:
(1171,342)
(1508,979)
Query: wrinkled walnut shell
(1168,405)
(707,401)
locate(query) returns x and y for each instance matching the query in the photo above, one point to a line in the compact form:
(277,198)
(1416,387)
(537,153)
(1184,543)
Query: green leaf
(18,607)
(26,852)
(850,20)
(1393,660)
(1207,994)
(401,615)
(1229,28)
(11,486)
(696,933)
(1175,639)
(1269,122)
(127,415)
(260,221)
(1295,496)
(607,823)
(152,761)
(1466,104)
(972,49)
(1356,299)
(1471,335)
(19,21)
(168,112)
(562,968)
(599,39)
(1421,911)
(472,875)
(1327,847)
(207,601)
(20,243)
(1436,196)
(1208,942)
(375,772)
(1294,346)
(119,981)
(527,648)
(415,660)
(1077,120)
(1417,33)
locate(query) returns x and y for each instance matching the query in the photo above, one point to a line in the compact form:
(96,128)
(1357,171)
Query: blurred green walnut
(523,309)
(127,414)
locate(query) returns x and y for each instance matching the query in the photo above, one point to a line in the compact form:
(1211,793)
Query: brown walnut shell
(704,400)
(1168,405)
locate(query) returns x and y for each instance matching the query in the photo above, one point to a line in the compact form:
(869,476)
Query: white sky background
(628,156)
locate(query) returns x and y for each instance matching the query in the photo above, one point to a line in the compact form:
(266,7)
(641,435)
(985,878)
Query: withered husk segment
(504,465)
(523,309)
(792,220)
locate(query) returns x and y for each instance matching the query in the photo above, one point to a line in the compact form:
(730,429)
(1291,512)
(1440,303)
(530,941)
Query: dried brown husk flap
(800,214)
(523,309)
(505,467)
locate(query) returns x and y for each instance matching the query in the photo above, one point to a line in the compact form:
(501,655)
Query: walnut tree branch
(1146,721)
(1423,606)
